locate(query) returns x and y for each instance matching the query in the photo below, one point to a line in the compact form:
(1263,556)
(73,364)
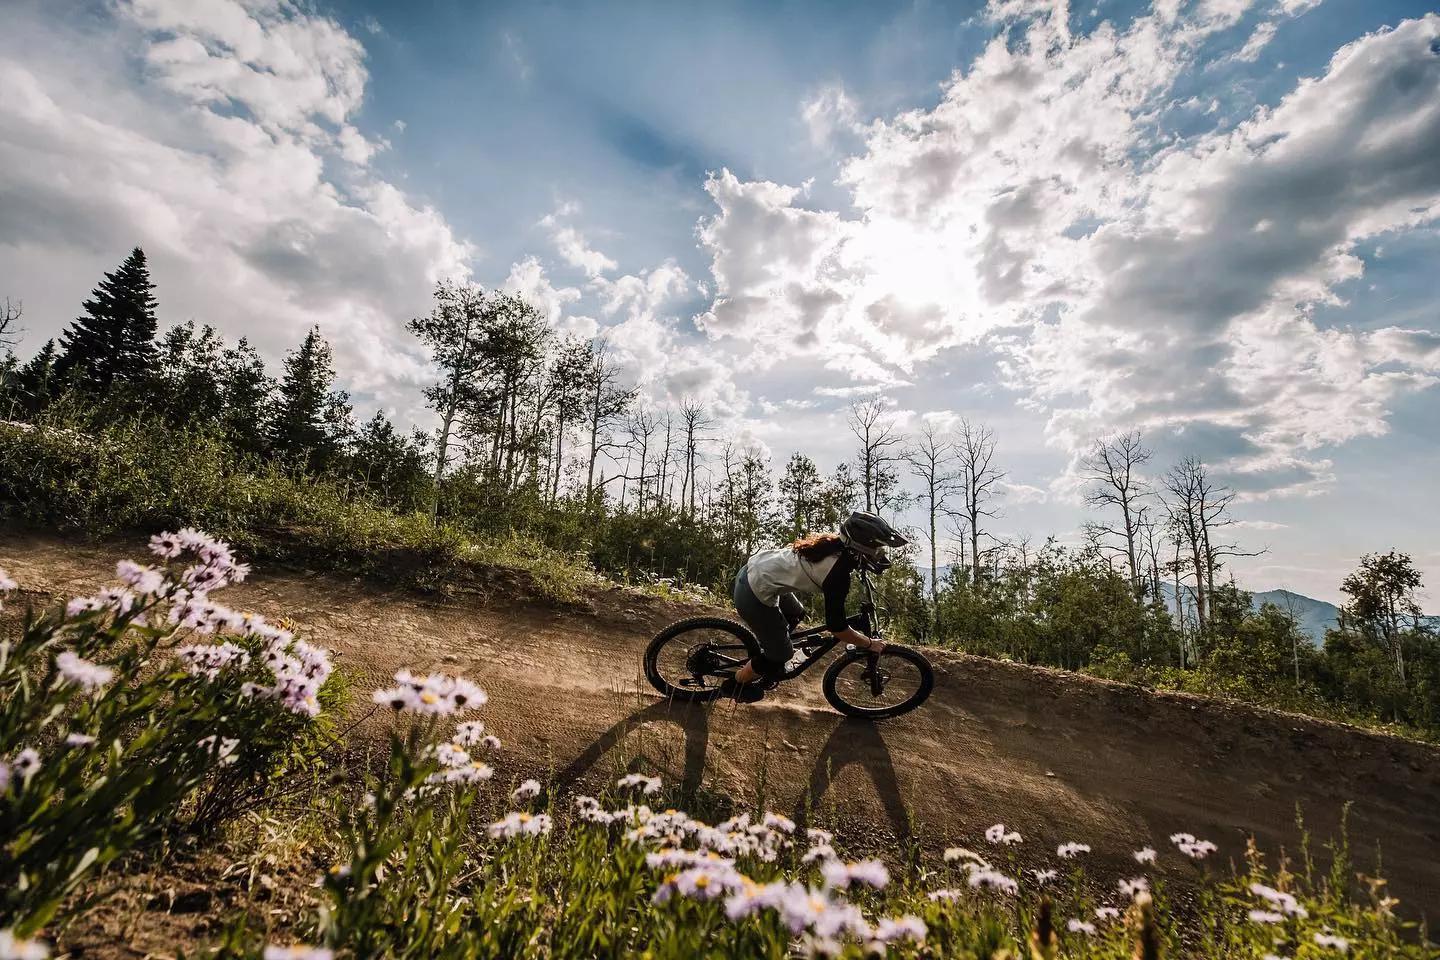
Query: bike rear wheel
(689,660)
(895,682)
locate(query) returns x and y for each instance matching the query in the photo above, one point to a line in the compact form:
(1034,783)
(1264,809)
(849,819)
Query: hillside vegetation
(546,470)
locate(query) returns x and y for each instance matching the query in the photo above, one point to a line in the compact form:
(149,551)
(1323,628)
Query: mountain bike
(689,659)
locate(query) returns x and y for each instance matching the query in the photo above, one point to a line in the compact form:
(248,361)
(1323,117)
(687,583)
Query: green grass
(143,478)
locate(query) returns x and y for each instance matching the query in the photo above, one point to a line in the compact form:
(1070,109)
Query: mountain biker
(766,598)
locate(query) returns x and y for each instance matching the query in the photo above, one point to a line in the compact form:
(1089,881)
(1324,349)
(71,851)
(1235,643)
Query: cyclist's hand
(851,635)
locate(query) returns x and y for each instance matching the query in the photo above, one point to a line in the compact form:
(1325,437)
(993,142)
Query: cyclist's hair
(818,546)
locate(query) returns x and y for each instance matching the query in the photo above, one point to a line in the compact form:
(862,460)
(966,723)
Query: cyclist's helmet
(868,535)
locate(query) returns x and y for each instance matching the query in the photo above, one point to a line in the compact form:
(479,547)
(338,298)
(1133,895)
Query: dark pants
(771,626)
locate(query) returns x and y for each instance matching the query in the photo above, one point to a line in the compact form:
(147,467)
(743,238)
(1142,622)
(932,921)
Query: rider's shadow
(694,722)
(855,742)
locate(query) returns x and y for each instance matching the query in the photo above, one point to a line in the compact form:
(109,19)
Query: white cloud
(1126,281)
(572,246)
(215,163)
(1261,38)
(828,114)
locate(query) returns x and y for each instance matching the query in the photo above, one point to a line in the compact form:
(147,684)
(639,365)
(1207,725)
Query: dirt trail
(1055,756)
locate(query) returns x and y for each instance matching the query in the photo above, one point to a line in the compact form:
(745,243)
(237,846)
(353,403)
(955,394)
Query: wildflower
(648,785)
(298,952)
(6,583)
(938,895)
(908,927)
(816,835)
(998,834)
(775,821)
(397,698)
(340,871)
(1179,838)
(1146,855)
(146,581)
(1133,888)
(960,853)
(14,948)
(1106,913)
(451,755)
(79,739)
(166,545)
(490,742)
(1067,851)
(208,659)
(1079,926)
(1331,940)
(516,823)
(80,672)
(526,790)
(1266,916)
(1281,901)
(224,749)
(82,605)
(821,852)
(841,875)
(1198,849)
(1043,877)
(25,764)
(475,771)
(467,734)
(993,880)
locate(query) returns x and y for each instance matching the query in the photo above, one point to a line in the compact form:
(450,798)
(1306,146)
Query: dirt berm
(1056,756)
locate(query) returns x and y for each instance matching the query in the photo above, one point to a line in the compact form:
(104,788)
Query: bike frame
(815,642)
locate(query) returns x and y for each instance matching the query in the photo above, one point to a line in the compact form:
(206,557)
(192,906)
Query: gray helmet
(868,534)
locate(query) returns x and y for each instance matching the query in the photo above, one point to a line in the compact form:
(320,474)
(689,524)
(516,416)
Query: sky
(1213,221)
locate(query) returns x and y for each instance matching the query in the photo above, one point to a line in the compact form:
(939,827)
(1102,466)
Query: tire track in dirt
(1055,756)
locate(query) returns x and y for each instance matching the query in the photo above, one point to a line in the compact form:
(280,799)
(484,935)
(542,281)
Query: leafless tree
(694,421)
(605,403)
(933,462)
(880,446)
(1198,510)
(10,323)
(1113,468)
(975,451)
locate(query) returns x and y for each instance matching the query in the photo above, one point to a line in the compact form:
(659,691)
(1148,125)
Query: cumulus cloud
(217,162)
(572,246)
(829,115)
(1126,277)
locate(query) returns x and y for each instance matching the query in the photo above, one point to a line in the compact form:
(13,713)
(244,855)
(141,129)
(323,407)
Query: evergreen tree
(391,465)
(113,344)
(311,422)
(34,385)
(189,375)
(247,390)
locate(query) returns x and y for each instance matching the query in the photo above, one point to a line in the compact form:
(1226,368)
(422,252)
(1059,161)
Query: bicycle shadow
(849,743)
(693,720)
(855,742)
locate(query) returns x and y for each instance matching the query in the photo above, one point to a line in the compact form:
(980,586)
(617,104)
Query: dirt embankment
(1053,755)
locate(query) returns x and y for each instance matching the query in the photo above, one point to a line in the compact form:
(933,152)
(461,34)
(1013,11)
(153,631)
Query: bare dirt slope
(1053,755)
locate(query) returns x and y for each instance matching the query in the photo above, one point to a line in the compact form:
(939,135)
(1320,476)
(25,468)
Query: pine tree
(34,385)
(247,390)
(113,344)
(311,422)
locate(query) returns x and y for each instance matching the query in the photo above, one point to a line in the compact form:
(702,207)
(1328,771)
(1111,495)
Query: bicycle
(694,667)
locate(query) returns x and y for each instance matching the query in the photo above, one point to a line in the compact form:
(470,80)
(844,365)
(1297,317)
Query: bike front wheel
(879,687)
(689,660)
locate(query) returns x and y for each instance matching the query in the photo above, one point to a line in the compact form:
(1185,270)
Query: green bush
(145,476)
